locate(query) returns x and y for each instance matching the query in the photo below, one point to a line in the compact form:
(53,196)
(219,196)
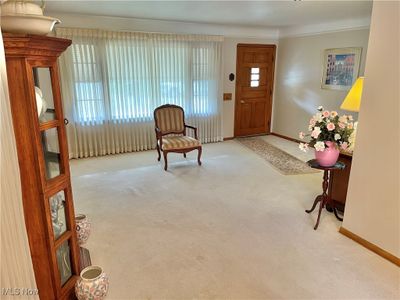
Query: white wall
(298,78)
(373,200)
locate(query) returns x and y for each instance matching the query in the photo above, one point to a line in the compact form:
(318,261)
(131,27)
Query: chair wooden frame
(160,134)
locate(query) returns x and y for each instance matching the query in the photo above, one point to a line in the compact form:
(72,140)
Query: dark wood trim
(228,138)
(273,46)
(286,137)
(374,248)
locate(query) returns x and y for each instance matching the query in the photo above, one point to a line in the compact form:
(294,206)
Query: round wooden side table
(324,199)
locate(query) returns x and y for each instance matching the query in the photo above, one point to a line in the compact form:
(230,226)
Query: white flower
(318,117)
(303,147)
(302,135)
(319,146)
(320,108)
(337,136)
(315,133)
(343,119)
(334,113)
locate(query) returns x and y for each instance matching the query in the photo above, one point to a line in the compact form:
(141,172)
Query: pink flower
(315,133)
(326,114)
(330,126)
(344,145)
(301,135)
(312,122)
(342,125)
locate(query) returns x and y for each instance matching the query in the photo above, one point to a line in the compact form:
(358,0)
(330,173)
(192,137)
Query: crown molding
(328,27)
(228,31)
(162,26)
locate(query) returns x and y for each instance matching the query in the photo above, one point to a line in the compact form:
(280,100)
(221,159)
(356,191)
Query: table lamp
(352,103)
(353,98)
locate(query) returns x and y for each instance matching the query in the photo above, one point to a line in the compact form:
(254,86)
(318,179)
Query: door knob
(242,101)
(66,121)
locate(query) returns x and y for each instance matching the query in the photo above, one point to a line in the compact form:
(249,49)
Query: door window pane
(255,77)
(51,151)
(64,262)
(254,83)
(57,208)
(44,94)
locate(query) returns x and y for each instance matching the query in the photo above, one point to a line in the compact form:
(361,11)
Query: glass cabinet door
(44,94)
(57,211)
(51,152)
(63,255)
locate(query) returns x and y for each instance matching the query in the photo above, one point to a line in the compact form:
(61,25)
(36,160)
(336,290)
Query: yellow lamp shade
(353,98)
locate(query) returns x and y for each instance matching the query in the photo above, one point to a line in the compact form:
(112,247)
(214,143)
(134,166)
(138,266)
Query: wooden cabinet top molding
(28,45)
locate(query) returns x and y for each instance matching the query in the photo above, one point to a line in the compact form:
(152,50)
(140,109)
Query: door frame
(236,121)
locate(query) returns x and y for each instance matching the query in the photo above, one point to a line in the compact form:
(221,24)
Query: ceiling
(244,13)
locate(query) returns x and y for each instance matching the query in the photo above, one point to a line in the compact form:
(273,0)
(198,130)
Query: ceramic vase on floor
(82,228)
(329,156)
(92,284)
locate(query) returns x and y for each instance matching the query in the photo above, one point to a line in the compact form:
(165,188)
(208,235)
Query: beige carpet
(234,228)
(284,162)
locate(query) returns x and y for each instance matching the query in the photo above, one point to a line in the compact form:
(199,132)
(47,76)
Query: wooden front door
(254,83)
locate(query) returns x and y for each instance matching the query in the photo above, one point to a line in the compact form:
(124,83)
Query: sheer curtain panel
(112,81)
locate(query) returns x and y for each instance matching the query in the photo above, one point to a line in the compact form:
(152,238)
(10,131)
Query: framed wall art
(340,68)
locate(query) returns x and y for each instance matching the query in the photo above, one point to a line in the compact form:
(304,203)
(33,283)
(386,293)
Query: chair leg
(165,160)
(159,153)
(184,155)
(198,156)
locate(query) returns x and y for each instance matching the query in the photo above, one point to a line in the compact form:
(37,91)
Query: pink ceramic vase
(329,156)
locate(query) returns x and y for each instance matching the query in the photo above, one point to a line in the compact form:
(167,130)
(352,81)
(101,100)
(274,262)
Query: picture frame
(340,68)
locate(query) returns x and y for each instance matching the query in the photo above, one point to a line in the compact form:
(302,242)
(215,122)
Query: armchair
(170,131)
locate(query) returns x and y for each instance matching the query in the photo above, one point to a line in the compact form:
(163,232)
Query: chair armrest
(158,135)
(194,129)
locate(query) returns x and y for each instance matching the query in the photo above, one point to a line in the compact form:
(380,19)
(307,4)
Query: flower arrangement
(328,126)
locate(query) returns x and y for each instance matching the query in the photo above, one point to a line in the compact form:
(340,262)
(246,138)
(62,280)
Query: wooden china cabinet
(39,128)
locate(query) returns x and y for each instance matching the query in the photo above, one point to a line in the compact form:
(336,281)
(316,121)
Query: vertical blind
(112,82)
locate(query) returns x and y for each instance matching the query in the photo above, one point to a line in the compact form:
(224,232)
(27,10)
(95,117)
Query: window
(88,83)
(255,77)
(119,80)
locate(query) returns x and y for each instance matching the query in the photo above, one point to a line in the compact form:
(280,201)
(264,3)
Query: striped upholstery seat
(179,142)
(170,120)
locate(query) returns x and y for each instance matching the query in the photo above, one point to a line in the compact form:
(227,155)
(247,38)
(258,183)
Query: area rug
(282,161)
